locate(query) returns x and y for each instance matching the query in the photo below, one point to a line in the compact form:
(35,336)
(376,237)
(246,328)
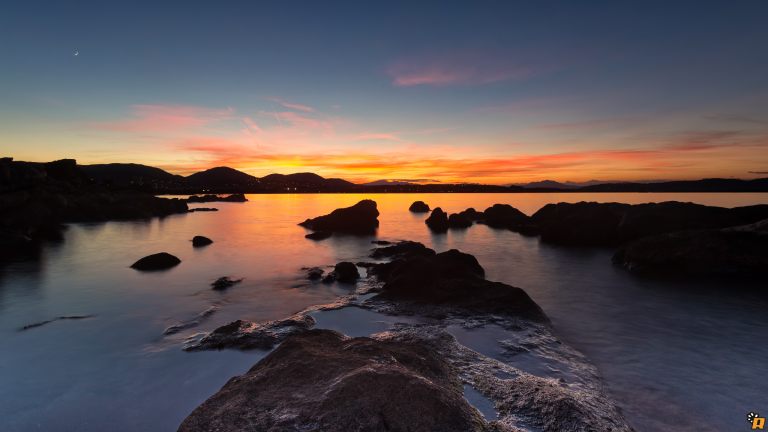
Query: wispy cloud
(460,69)
(377,137)
(162,118)
(292,105)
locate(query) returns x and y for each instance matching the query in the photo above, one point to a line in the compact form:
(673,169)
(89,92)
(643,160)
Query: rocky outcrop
(401,249)
(321,380)
(610,224)
(736,252)
(203,209)
(361,218)
(319,235)
(459,221)
(437,221)
(238,197)
(158,261)
(504,216)
(451,278)
(224,282)
(200,241)
(419,207)
(247,335)
(37,198)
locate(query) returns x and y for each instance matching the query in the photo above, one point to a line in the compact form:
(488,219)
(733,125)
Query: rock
(319,235)
(472,214)
(419,207)
(610,224)
(345,272)
(437,221)
(198,241)
(401,249)
(224,282)
(381,242)
(315,273)
(459,221)
(216,198)
(321,380)
(246,335)
(158,261)
(203,209)
(734,252)
(505,216)
(452,278)
(361,218)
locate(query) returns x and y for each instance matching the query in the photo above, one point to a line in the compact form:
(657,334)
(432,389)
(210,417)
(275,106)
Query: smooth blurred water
(677,356)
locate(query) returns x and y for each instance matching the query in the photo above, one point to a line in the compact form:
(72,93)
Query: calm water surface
(677,356)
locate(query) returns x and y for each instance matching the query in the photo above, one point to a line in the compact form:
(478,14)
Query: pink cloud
(164,118)
(457,70)
(377,137)
(292,105)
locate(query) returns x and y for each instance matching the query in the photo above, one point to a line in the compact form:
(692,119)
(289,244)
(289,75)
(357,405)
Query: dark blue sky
(506,88)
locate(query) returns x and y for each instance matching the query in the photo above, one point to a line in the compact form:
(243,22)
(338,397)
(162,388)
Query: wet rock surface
(314,273)
(344,272)
(322,380)
(247,335)
(736,252)
(200,241)
(361,218)
(224,282)
(419,207)
(158,261)
(437,221)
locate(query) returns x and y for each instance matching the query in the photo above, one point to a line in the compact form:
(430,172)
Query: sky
(451,91)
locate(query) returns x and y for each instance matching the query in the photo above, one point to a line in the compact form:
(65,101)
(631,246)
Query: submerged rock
(419,207)
(224,282)
(437,221)
(738,252)
(199,241)
(158,261)
(361,218)
(246,335)
(345,272)
(319,235)
(321,380)
(203,209)
(315,273)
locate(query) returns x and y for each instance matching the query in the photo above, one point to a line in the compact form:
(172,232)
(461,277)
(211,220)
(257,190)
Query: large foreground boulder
(451,278)
(158,261)
(507,217)
(738,251)
(361,218)
(320,380)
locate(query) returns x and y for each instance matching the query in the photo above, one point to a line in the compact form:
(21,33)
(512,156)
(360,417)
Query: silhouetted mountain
(303,182)
(548,184)
(223,178)
(126,175)
(397,182)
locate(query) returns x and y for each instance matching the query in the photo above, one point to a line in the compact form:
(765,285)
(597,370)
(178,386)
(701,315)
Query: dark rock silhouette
(419,207)
(203,209)
(610,224)
(437,221)
(327,381)
(459,221)
(247,335)
(472,214)
(202,316)
(158,261)
(238,197)
(361,218)
(737,252)
(315,273)
(61,318)
(451,278)
(319,235)
(345,272)
(199,241)
(224,282)
(504,216)
(401,249)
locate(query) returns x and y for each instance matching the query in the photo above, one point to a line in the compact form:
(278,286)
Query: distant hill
(704,185)
(128,174)
(223,178)
(391,183)
(303,181)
